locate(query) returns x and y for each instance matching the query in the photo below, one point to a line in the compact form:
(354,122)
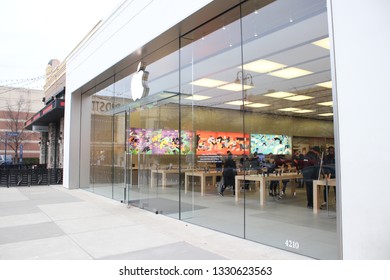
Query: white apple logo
(139,87)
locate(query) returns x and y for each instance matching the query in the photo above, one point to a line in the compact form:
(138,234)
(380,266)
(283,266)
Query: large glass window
(286,57)
(235,133)
(210,56)
(260,88)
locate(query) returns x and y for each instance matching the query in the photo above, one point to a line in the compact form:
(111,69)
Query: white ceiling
(284,33)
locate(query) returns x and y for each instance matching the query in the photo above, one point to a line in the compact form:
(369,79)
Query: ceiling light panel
(325,84)
(290,73)
(279,94)
(326,114)
(205,82)
(323,43)
(298,97)
(263,66)
(304,111)
(329,103)
(238,103)
(235,87)
(290,109)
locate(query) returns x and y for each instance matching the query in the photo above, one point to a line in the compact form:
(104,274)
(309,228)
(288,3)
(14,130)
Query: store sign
(40,128)
(103,106)
(139,87)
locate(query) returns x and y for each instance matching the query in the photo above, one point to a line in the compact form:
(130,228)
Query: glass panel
(290,73)
(152,136)
(120,117)
(210,60)
(119,149)
(254,80)
(101,155)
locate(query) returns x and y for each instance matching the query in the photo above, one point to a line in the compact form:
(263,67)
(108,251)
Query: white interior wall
(361,52)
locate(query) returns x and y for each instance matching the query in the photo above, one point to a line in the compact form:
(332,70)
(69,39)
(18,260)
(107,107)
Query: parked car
(4,160)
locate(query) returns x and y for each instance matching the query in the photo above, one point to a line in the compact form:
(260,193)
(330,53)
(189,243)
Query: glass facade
(254,82)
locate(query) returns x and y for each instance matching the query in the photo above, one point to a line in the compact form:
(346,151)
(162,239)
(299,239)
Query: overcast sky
(33,32)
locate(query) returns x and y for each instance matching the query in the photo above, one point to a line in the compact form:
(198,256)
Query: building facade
(49,120)
(155,101)
(16,106)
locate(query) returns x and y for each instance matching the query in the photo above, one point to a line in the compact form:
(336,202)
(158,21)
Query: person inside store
(297,161)
(255,163)
(330,157)
(280,166)
(229,172)
(329,170)
(285,169)
(310,171)
(218,168)
(270,165)
(245,165)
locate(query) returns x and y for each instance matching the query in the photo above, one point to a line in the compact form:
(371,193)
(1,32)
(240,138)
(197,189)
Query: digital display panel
(159,142)
(271,143)
(212,143)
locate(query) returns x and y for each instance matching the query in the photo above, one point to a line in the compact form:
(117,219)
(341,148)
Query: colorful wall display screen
(159,142)
(271,143)
(211,143)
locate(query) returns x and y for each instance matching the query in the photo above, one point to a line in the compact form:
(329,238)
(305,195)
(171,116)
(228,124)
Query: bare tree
(16,114)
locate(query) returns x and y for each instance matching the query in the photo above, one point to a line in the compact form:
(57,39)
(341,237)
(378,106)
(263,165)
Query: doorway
(152,176)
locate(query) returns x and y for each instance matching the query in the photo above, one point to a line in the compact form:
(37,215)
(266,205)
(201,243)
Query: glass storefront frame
(196,203)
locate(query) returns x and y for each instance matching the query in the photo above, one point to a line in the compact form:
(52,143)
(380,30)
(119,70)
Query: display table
(316,191)
(202,175)
(163,172)
(262,181)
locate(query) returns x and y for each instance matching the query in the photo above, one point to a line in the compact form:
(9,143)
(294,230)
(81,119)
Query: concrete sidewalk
(51,222)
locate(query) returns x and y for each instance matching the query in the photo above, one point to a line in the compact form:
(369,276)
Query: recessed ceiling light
(205,82)
(303,111)
(198,97)
(328,103)
(238,103)
(258,105)
(235,87)
(263,66)
(325,84)
(290,73)
(279,94)
(323,43)
(290,109)
(326,114)
(298,97)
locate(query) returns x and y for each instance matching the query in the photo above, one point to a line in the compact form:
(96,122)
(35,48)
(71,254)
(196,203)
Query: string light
(10,84)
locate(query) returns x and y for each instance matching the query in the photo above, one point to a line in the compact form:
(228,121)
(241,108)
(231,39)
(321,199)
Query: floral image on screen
(271,143)
(140,141)
(158,142)
(211,143)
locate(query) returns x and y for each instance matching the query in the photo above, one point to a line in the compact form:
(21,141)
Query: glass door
(152,154)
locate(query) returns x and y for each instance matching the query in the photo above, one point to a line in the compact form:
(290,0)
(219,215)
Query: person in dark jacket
(229,172)
(310,172)
(329,167)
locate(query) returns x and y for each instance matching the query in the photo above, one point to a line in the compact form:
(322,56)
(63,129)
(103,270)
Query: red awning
(52,112)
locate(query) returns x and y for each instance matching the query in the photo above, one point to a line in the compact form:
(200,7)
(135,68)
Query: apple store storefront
(252,80)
